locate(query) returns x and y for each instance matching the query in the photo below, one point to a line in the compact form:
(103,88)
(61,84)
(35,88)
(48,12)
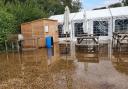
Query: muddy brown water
(65,68)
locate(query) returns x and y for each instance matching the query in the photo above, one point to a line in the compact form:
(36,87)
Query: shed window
(100,28)
(121,25)
(78,29)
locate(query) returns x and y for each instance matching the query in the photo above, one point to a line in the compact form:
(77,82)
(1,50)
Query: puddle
(65,68)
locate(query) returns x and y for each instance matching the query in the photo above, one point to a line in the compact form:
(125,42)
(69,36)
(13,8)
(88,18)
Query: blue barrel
(48,41)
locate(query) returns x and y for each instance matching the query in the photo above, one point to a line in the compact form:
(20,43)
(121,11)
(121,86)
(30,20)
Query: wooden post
(6,46)
(18,47)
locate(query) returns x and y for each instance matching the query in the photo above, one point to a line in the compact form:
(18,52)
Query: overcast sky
(90,4)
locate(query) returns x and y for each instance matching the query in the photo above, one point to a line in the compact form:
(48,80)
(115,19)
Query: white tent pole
(85,21)
(111,16)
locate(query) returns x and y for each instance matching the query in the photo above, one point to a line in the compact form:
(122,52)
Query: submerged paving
(65,68)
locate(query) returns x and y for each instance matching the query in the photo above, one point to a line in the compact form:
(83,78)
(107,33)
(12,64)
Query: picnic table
(88,40)
(120,39)
(89,43)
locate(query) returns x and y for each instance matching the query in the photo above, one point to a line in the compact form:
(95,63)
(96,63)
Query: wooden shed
(35,32)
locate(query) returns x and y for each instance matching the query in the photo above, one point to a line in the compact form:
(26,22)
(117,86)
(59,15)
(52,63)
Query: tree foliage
(125,2)
(115,5)
(7,25)
(74,5)
(13,1)
(25,12)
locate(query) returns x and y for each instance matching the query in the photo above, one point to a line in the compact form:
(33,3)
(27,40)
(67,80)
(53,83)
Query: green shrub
(7,26)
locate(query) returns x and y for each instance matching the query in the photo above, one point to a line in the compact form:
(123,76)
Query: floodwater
(65,68)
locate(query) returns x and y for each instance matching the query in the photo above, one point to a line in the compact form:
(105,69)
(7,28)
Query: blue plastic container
(48,41)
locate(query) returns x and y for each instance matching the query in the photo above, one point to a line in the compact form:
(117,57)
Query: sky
(90,4)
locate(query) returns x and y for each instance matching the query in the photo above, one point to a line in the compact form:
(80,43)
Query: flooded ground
(65,68)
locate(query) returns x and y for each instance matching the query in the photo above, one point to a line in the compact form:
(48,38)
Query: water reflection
(64,68)
(65,49)
(84,54)
(50,52)
(120,61)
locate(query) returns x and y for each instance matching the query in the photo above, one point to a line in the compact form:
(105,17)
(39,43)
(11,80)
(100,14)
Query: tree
(125,2)
(53,7)
(25,12)
(74,5)
(13,1)
(7,25)
(115,5)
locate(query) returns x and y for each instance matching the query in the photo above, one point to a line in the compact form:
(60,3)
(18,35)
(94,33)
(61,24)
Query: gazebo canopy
(95,14)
